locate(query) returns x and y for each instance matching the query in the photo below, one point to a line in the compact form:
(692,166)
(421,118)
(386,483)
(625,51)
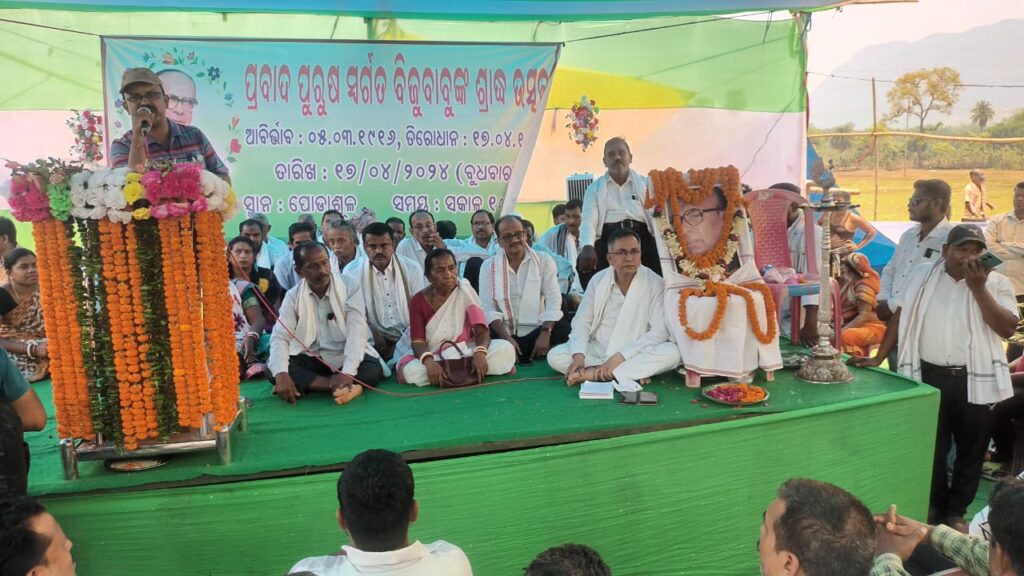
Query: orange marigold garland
(218,320)
(671,189)
(173,263)
(192,330)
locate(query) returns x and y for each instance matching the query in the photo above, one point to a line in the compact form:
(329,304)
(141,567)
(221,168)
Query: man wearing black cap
(951,319)
(153,136)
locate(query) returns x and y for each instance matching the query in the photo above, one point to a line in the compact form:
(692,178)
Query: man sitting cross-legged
(619,330)
(376,505)
(387,283)
(520,295)
(321,328)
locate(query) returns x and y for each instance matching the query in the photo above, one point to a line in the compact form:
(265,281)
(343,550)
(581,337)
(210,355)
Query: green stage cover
(316,432)
(677,501)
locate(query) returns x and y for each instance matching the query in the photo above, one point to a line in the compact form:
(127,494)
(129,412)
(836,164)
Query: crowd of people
(342,305)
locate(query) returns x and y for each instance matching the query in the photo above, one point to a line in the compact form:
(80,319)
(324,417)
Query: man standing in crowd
(922,243)
(520,296)
(376,505)
(153,136)
(1000,552)
(343,241)
(975,198)
(20,410)
(31,541)
(950,320)
(619,331)
(321,328)
(1005,237)
(613,201)
(387,282)
(816,529)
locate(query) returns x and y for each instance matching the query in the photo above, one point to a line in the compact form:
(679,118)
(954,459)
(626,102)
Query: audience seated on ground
(448,311)
(311,220)
(342,239)
(31,540)
(568,560)
(447,230)
(558,212)
(284,270)
(329,217)
(8,241)
(251,343)
(22,333)
(816,529)
(376,505)
(568,280)
(387,283)
(267,253)
(241,266)
(858,294)
(397,226)
(563,240)
(320,342)
(425,238)
(20,411)
(480,245)
(520,296)
(619,330)
(999,552)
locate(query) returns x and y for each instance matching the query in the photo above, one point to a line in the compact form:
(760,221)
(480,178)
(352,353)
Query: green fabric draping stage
(506,471)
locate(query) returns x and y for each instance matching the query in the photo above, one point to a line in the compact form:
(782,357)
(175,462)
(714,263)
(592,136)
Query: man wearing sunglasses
(154,137)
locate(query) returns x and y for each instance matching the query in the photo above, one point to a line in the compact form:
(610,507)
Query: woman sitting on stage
(253,345)
(448,310)
(242,265)
(22,333)
(858,291)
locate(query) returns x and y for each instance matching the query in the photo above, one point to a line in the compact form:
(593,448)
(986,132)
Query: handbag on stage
(460,371)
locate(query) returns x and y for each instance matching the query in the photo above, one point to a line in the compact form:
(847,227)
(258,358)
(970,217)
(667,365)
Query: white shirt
(945,323)
(436,559)
(412,250)
(623,202)
(386,285)
(569,249)
(551,295)
(273,249)
(1004,235)
(611,315)
(909,253)
(285,272)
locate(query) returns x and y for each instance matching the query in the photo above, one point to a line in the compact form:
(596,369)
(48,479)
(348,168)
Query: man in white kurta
(733,351)
(319,343)
(424,238)
(520,295)
(387,282)
(619,329)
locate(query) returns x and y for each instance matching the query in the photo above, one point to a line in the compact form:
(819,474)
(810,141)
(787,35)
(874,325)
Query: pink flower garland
(28,201)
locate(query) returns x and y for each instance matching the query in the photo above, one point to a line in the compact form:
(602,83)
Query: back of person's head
(786,186)
(21,549)
(935,188)
(1006,521)
(7,229)
(446,229)
(299,227)
(568,560)
(826,527)
(376,500)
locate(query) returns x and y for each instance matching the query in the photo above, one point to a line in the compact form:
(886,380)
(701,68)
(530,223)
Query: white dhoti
(654,360)
(501,359)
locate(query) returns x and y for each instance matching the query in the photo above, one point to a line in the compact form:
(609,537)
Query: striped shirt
(968,552)
(186,144)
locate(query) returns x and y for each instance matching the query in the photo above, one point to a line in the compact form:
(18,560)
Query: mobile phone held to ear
(989,260)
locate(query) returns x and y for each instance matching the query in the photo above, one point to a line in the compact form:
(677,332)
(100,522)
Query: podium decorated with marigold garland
(135,293)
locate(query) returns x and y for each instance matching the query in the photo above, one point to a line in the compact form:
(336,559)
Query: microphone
(145,123)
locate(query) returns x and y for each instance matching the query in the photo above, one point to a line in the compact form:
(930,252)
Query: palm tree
(982,113)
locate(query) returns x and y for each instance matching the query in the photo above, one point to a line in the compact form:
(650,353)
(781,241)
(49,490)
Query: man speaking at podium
(153,136)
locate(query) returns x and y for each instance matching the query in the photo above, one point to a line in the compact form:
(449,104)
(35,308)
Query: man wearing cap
(153,136)
(950,320)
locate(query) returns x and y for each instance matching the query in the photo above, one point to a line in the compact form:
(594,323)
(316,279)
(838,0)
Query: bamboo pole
(1018,140)
(874,126)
